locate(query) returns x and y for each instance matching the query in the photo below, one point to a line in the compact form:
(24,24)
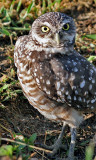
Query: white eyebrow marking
(47,24)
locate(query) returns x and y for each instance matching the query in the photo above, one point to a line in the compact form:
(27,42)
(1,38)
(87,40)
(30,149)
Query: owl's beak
(57,38)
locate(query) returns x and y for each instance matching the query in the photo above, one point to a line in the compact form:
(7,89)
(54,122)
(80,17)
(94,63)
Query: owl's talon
(47,147)
(62,146)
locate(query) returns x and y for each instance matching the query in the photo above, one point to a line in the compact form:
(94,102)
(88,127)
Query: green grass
(19,145)
(90,151)
(8,86)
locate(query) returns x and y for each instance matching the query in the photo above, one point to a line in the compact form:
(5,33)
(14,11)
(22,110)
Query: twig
(21,143)
(18,28)
(6,130)
(44,143)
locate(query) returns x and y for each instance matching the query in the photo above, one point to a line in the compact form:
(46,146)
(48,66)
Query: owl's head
(54,29)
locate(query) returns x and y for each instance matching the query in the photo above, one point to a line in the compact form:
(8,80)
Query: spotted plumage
(56,80)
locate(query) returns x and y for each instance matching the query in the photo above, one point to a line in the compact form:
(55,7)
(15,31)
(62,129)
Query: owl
(57,81)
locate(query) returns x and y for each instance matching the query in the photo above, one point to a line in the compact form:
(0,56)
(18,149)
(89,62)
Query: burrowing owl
(57,81)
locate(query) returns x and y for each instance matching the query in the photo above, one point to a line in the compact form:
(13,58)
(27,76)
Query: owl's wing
(68,78)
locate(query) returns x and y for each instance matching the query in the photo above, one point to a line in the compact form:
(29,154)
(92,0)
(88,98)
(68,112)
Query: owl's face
(54,29)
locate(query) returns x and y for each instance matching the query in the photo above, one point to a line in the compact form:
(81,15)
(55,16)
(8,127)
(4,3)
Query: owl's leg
(72,144)
(58,143)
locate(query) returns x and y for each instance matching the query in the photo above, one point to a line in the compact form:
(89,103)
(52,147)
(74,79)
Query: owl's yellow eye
(66,27)
(44,29)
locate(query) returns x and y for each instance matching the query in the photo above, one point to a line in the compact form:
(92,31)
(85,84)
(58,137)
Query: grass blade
(18,28)
(1,10)
(30,7)
(91,58)
(4,31)
(28,10)
(44,4)
(4,87)
(89,152)
(19,5)
(91,36)
(49,5)
(12,5)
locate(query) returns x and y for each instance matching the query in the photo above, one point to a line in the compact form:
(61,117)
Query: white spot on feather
(47,82)
(90,86)
(58,85)
(82,84)
(93,100)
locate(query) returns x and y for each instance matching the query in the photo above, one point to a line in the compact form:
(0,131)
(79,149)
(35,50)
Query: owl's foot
(54,148)
(72,145)
(58,144)
(62,146)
